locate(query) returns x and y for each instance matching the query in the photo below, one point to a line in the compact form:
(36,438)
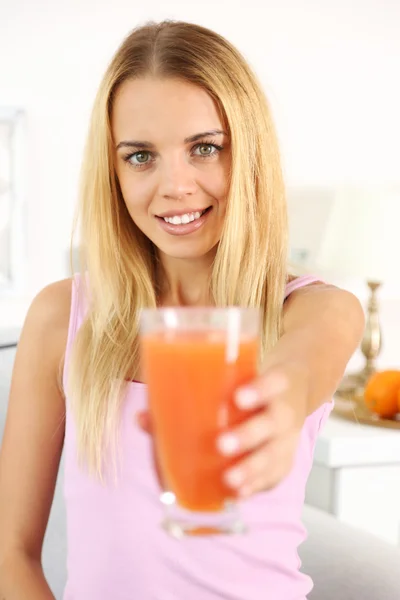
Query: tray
(352,408)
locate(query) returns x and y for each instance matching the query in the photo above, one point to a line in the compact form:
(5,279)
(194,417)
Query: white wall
(330,68)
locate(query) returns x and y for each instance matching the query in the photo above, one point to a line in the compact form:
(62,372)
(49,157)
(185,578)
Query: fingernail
(234,478)
(246,398)
(228,444)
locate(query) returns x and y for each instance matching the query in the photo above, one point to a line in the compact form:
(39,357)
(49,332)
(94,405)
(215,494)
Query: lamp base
(354,383)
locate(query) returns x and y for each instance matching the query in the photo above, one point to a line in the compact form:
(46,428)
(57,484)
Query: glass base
(180,522)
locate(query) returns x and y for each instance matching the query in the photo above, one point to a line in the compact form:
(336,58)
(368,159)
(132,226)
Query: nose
(176,179)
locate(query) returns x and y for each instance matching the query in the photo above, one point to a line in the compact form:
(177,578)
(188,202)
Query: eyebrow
(188,140)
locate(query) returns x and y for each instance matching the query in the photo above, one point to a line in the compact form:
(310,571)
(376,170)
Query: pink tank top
(117,550)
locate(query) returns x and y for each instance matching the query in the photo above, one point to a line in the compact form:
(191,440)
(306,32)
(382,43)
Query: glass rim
(192,318)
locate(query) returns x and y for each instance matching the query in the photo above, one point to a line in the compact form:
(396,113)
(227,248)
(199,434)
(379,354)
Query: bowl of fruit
(377,404)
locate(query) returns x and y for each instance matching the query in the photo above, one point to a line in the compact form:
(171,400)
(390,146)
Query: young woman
(182,204)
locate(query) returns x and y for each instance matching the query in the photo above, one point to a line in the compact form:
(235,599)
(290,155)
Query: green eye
(140,157)
(205,149)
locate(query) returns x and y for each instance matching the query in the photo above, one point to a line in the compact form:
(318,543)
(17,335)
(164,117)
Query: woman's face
(172,159)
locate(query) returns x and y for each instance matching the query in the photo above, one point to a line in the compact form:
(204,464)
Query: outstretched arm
(323,326)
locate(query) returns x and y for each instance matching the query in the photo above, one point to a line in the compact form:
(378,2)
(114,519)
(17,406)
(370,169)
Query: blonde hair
(250,263)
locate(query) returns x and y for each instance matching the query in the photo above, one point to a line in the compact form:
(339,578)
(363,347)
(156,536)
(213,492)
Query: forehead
(150,108)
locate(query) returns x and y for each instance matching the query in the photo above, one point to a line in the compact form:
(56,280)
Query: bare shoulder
(52,304)
(48,317)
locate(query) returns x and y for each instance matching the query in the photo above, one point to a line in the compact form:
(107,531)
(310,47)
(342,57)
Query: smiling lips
(184,223)
(184,219)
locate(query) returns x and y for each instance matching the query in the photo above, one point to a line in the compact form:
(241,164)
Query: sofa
(345,564)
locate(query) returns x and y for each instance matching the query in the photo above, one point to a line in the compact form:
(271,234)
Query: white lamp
(362,240)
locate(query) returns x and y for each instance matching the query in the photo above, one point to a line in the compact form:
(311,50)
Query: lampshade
(362,238)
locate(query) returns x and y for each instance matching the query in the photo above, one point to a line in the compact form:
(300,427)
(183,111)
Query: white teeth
(183,219)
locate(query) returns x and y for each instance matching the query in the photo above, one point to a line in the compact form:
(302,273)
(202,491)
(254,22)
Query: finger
(263,483)
(254,466)
(276,419)
(252,433)
(144,421)
(262,477)
(264,468)
(262,390)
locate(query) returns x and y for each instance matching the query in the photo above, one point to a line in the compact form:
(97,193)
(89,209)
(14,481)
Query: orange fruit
(382,392)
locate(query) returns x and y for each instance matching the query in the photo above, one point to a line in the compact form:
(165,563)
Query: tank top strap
(300,282)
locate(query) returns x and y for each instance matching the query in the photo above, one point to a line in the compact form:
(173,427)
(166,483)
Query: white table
(356,476)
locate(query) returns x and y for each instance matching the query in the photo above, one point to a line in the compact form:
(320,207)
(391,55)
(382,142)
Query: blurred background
(330,70)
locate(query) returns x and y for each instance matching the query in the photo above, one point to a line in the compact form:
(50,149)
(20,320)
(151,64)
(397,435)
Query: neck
(185,282)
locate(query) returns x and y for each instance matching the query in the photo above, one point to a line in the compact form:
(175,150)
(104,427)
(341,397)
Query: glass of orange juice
(193,360)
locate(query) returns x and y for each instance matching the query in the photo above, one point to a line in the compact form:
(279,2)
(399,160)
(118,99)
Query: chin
(186,251)
(182,254)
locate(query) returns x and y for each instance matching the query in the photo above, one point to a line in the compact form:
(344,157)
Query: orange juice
(191,385)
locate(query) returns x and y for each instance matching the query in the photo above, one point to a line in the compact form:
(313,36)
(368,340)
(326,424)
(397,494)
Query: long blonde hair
(250,263)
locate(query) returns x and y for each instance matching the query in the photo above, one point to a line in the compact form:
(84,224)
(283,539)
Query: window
(11,199)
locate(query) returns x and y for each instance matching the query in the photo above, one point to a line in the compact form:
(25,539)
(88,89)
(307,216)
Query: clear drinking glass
(193,361)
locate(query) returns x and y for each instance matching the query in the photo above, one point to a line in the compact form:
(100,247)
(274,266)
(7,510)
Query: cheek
(136,194)
(223,181)
(223,189)
(216,185)
(221,194)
